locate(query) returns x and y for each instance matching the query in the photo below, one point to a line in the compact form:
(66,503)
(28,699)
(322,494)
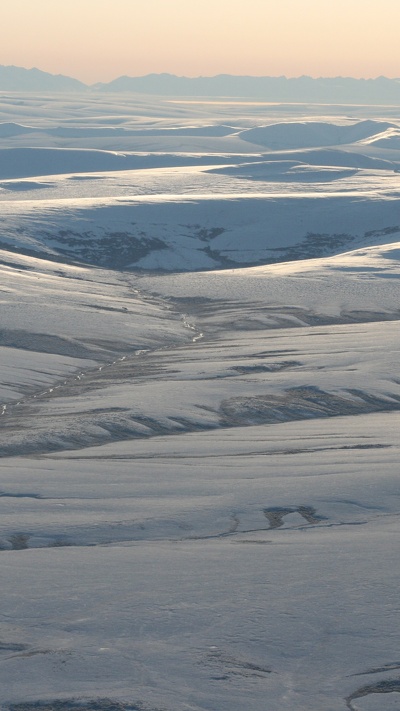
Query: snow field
(199,464)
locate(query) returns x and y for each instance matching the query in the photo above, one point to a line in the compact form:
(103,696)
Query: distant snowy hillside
(309,134)
(259,213)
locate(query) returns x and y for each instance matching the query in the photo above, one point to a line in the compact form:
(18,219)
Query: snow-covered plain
(200,403)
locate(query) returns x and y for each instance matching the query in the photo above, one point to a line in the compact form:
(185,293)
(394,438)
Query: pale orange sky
(98,40)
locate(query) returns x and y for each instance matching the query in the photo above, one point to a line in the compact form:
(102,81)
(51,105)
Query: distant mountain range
(20,79)
(301,89)
(344,90)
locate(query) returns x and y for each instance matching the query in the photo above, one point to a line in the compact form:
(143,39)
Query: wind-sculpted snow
(28,162)
(389,138)
(286,170)
(199,458)
(10,129)
(312,134)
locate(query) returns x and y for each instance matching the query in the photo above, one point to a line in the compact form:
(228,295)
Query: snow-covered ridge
(307,134)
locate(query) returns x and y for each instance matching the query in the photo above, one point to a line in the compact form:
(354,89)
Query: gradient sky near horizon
(98,40)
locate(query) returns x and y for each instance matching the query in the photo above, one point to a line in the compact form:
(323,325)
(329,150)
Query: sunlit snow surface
(199,410)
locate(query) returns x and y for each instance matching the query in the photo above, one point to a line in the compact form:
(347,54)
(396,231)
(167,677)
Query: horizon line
(201,76)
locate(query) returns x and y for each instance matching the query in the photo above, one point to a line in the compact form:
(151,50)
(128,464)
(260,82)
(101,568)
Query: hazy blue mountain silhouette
(20,79)
(300,89)
(345,90)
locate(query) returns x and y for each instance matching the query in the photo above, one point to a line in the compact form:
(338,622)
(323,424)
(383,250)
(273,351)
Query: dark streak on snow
(301,403)
(81,705)
(386,667)
(381,687)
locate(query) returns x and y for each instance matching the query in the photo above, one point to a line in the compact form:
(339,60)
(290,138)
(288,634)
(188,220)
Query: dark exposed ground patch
(19,541)
(115,250)
(233,666)
(12,647)
(205,235)
(390,686)
(316,245)
(268,368)
(301,403)
(222,261)
(10,495)
(276,514)
(81,705)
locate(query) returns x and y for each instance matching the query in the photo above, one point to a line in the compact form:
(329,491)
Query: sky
(99,40)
